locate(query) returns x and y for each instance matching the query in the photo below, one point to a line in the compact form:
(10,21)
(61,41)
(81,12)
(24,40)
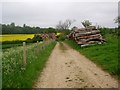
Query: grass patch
(5,46)
(15,74)
(105,55)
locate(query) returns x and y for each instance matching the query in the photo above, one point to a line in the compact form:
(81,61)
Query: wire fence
(15,60)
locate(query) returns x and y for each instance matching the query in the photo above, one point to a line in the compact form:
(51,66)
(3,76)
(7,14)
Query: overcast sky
(47,14)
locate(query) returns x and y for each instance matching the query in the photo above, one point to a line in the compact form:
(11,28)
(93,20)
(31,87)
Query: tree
(117,20)
(64,25)
(25,29)
(59,26)
(12,24)
(24,25)
(86,23)
(67,24)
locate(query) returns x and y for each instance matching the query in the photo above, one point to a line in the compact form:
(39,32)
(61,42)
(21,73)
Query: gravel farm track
(69,69)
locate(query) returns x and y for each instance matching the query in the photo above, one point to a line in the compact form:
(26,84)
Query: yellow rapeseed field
(12,37)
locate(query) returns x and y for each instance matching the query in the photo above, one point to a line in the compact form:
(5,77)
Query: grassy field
(17,75)
(5,46)
(105,55)
(13,37)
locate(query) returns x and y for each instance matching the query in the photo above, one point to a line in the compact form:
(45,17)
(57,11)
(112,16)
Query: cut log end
(86,37)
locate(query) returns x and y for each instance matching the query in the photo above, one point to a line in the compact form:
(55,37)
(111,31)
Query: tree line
(62,26)
(13,29)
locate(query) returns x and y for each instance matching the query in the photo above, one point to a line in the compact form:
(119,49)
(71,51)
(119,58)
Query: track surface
(69,69)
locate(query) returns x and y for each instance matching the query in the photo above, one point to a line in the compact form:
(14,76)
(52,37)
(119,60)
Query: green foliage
(105,55)
(5,46)
(114,31)
(36,38)
(62,37)
(12,42)
(12,29)
(17,75)
(15,43)
(9,45)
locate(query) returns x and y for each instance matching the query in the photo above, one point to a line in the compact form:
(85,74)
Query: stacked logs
(86,36)
(48,36)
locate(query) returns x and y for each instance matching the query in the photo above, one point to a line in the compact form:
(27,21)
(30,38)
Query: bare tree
(86,23)
(117,20)
(64,25)
(60,26)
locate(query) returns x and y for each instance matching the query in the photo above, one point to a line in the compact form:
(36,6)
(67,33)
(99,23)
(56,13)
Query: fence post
(44,44)
(37,47)
(37,43)
(24,53)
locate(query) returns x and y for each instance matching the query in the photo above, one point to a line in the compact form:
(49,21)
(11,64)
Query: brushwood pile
(86,36)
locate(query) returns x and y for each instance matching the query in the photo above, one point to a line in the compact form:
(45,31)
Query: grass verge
(5,46)
(15,74)
(105,55)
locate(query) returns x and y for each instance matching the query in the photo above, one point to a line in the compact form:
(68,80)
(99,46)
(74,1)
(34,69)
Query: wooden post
(37,47)
(24,53)
(44,44)
(37,43)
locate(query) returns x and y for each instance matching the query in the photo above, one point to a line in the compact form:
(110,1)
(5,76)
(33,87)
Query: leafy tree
(37,38)
(24,25)
(12,29)
(12,24)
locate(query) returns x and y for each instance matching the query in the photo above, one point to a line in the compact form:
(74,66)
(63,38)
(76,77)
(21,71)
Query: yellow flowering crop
(12,37)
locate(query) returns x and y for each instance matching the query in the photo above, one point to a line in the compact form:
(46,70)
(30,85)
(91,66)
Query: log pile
(48,36)
(86,36)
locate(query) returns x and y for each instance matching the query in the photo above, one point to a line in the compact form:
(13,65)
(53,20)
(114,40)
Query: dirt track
(69,69)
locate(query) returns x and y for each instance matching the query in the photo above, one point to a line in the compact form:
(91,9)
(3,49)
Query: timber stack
(86,36)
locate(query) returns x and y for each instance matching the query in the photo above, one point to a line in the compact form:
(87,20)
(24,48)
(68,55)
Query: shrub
(62,38)
(37,38)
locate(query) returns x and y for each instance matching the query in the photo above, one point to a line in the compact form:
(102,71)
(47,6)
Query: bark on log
(86,36)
